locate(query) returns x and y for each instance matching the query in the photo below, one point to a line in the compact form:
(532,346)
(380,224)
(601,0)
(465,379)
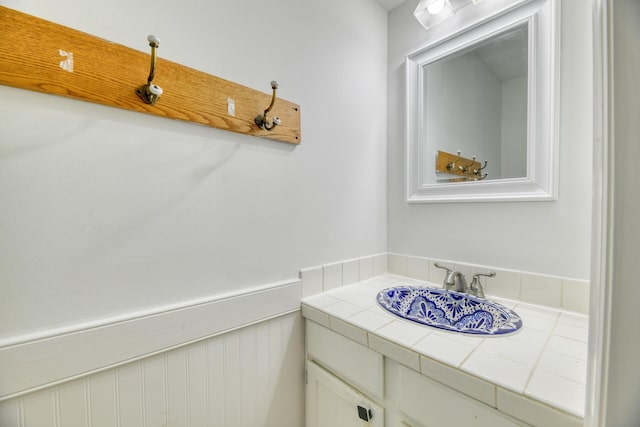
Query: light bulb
(435,7)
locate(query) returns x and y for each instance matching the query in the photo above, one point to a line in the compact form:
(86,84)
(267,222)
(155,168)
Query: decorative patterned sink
(449,310)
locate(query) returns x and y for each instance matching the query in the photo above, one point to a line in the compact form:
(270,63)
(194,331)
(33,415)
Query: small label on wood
(67,64)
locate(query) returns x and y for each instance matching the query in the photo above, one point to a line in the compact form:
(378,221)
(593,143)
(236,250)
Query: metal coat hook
(452,164)
(477,171)
(465,169)
(262,120)
(150,93)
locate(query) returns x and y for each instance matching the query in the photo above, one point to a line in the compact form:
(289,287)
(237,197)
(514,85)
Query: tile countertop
(545,361)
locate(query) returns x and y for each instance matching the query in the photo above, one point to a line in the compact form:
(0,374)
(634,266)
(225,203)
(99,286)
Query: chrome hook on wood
(477,171)
(262,120)
(150,92)
(466,168)
(452,164)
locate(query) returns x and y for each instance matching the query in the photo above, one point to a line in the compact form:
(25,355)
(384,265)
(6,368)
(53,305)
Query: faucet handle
(475,287)
(489,274)
(444,267)
(447,276)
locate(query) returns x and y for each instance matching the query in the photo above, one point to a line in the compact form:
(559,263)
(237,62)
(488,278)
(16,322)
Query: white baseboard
(34,363)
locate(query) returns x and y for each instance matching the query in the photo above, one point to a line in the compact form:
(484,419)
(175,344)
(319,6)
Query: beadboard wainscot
(233,359)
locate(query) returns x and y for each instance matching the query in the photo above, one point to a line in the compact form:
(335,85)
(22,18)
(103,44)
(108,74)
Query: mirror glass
(475,102)
(487,87)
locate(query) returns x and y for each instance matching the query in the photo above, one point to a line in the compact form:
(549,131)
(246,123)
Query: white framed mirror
(481,110)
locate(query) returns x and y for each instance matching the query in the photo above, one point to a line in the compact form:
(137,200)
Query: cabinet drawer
(434,404)
(356,364)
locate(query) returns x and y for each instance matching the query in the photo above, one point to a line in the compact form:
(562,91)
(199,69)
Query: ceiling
(506,54)
(390,4)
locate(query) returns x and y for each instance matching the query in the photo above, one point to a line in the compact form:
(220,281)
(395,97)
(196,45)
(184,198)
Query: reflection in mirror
(487,86)
(475,102)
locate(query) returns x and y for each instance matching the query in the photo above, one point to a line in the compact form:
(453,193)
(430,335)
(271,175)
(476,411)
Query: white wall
(514,128)
(108,212)
(479,101)
(542,237)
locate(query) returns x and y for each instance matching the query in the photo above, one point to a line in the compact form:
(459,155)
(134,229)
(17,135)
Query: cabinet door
(332,403)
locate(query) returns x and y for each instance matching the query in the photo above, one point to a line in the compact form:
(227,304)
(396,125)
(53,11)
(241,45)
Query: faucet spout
(456,281)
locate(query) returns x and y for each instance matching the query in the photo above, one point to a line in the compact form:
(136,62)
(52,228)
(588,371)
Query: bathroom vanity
(366,367)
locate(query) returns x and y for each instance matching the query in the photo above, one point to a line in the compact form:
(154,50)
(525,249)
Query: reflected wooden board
(456,165)
(46,57)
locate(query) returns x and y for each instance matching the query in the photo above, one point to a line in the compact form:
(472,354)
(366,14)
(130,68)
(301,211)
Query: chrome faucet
(455,281)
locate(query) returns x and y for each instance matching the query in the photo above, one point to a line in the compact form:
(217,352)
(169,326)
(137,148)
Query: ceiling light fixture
(432,12)
(435,7)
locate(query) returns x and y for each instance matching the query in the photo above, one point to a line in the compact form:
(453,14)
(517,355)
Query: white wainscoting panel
(58,356)
(250,377)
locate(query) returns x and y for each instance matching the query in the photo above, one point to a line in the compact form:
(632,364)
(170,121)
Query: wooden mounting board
(35,56)
(443,159)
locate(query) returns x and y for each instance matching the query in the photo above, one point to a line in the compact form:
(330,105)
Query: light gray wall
(107,212)
(542,237)
(479,103)
(514,128)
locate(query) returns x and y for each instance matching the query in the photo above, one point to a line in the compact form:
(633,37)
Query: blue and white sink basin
(449,310)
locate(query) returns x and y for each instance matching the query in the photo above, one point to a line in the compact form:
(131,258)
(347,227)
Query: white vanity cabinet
(431,404)
(333,403)
(349,384)
(348,400)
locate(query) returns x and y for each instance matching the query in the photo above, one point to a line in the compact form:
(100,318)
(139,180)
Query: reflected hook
(465,169)
(452,164)
(150,93)
(477,171)
(262,120)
